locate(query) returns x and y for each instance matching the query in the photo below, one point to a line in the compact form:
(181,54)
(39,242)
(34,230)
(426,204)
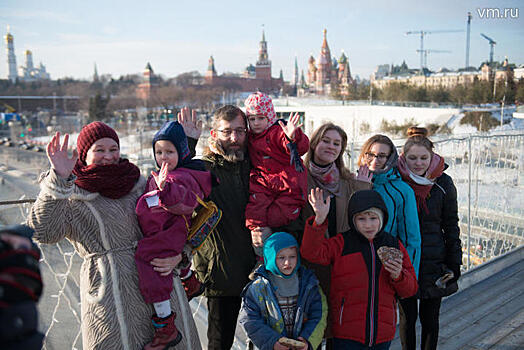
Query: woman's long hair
(315,139)
(383,139)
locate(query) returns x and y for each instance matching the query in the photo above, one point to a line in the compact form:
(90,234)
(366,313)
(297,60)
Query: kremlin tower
(254,78)
(263,66)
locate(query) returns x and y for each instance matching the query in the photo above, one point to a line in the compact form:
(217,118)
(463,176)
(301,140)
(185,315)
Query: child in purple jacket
(164,214)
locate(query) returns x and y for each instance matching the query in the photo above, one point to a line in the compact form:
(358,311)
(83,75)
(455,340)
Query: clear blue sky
(178,36)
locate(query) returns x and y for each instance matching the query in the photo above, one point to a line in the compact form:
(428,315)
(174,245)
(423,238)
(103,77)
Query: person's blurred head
(228,133)
(260,112)
(170,145)
(98,143)
(376,152)
(281,254)
(418,150)
(327,145)
(367,213)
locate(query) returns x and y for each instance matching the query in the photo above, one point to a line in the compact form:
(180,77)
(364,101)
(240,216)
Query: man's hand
(190,122)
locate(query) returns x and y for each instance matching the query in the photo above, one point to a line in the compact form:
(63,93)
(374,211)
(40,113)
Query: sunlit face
(417,159)
(230,136)
(287,260)
(367,223)
(377,156)
(329,148)
(103,152)
(165,152)
(257,123)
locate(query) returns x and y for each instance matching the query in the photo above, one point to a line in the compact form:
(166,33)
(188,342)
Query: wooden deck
(488,310)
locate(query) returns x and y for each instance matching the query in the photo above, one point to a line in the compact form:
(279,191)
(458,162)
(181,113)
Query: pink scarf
(327,178)
(417,183)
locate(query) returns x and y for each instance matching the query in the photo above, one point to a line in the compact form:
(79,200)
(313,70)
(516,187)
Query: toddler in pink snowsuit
(278,179)
(164,214)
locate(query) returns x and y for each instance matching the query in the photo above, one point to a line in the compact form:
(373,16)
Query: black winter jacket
(226,258)
(441,246)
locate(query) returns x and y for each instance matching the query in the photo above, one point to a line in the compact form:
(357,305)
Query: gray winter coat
(104,232)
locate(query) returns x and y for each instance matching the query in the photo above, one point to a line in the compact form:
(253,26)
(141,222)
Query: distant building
(149,82)
(31,73)
(326,72)
(445,79)
(11,58)
(26,73)
(254,78)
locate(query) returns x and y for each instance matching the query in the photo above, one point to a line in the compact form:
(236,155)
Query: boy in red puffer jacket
(364,290)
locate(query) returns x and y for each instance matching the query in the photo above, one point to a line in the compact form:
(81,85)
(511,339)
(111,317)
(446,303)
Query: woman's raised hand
(58,157)
(190,122)
(291,127)
(319,204)
(364,174)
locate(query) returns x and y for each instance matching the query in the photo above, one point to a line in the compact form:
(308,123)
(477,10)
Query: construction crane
(467,39)
(423,33)
(492,43)
(427,51)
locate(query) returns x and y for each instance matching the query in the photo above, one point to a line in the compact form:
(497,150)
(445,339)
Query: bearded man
(225,260)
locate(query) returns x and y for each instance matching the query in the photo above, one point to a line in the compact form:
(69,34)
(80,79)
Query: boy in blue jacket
(284,300)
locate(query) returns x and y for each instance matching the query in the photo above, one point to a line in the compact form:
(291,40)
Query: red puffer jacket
(278,190)
(363,295)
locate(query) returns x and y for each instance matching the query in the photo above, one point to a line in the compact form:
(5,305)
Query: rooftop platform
(488,310)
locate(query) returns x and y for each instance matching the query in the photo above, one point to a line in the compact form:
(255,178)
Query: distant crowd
(270,225)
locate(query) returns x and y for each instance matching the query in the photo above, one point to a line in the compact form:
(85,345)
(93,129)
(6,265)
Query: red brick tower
(263,66)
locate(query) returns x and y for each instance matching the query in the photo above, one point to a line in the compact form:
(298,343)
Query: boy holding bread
(370,269)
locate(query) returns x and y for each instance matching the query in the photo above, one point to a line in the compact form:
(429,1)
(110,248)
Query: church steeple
(95,75)
(295,72)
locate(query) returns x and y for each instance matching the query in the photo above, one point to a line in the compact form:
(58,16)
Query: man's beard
(229,154)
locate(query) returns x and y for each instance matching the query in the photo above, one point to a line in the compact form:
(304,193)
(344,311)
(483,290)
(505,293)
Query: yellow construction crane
(8,108)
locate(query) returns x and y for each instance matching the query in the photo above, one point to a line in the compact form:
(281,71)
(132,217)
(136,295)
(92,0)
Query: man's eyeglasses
(229,132)
(381,156)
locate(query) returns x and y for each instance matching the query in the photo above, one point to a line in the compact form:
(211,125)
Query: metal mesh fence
(487,171)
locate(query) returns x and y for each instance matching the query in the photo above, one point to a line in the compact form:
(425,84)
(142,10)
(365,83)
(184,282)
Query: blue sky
(178,36)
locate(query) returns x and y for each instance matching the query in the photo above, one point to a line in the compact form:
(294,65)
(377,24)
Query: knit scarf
(327,178)
(112,181)
(421,185)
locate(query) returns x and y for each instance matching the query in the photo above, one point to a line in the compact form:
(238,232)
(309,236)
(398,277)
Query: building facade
(446,80)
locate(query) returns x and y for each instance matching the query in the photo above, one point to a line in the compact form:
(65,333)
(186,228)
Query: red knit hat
(90,134)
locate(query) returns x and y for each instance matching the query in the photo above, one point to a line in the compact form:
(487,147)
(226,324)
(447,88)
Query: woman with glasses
(436,197)
(380,156)
(327,171)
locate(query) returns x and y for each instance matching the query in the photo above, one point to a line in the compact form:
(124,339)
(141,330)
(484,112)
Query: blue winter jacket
(262,319)
(402,212)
